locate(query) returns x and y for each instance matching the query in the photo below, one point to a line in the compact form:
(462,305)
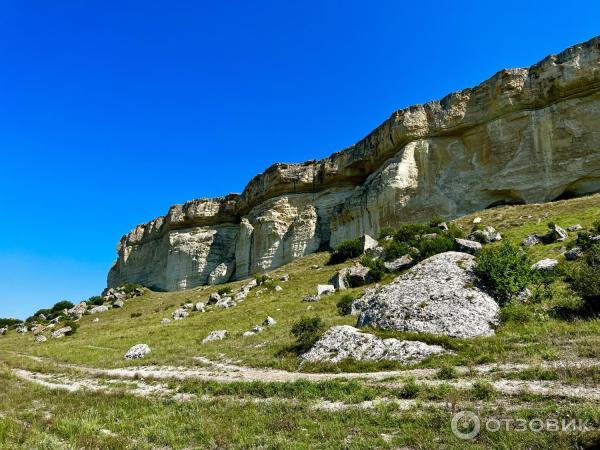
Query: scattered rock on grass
(467,246)
(311,298)
(61,332)
(40,338)
(325,289)
(574,228)
(138,351)
(180,314)
(574,254)
(545,265)
(532,239)
(269,321)
(343,342)
(217,335)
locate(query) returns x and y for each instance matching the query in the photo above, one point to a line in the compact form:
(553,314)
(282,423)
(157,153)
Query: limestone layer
(523,136)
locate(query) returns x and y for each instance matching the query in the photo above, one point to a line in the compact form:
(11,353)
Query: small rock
(315,267)
(574,228)
(61,332)
(555,234)
(402,263)
(97,319)
(477,220)
(325,289)
(485,236)
(3,331)
(38,329)
(368,243)
(311,298)
(523,295)
(466,246)
(180,314)
(200,307)
(40,338)
(99,309)
(545,265)
(165,321)
(284,278)
(278,288)
(388,238)
(251,285)
(574,253)
(138,351)
(226,303)
(118,303)
(240,296)
(376,253)
(189,306)
(217,335)
(530,240)
(257,329)
(248,333)
(340,280)
(22,329)
(443,226)
(269,321)
(214,298)
(429,236)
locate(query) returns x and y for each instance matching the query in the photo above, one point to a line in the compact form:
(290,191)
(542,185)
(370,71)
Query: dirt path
(145,380)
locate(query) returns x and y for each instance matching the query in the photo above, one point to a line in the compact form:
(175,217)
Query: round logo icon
(463,421)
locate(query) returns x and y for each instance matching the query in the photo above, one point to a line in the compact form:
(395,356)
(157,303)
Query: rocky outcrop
(346,342)
(440,295)
(525,135)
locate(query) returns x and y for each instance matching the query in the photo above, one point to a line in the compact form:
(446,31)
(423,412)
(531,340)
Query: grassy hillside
(528,346)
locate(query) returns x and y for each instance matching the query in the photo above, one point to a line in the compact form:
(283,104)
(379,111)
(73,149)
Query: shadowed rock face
(523,136)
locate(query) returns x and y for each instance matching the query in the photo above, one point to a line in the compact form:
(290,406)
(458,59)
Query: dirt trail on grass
(143,380)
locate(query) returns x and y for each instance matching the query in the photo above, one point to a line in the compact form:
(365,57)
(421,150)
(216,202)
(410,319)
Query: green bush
(432,246)
(585,281)
(261,278)
(505,269)
(6,322)
(65,304)
(344,305)
(345,251)
(130,288)
(436,221)
(395,250)
(483,390)
(225,291)
(376,268)
(307,331)
(410,389)
(409,235)
(97,300)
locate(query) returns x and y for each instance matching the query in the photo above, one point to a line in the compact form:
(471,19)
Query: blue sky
(112,111)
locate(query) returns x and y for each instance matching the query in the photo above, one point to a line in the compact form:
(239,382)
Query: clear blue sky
(110,111)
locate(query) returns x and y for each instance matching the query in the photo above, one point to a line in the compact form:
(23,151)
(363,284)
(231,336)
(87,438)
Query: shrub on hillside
(307,331)
(345,251)
(584,277)
(395,250)
(505,269)
(376,268)
(224,291)
(130,288)
(97,300)
(411,235)
(74,327)
(7,322)
(64,304)
(344,305)
(261,278)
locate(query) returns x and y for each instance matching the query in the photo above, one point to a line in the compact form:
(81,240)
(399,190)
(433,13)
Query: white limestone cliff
(523,136)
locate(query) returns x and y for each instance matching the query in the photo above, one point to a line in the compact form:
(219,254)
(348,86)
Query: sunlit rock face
(523,136)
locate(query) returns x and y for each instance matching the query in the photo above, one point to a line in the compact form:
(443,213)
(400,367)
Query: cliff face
(524,135)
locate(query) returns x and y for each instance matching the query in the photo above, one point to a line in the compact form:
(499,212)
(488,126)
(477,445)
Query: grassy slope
(528,334)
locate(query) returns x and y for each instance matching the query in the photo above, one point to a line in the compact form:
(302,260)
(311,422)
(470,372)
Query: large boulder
(340,280)
(99,309)
(3,331)
(343,342)
(78,310)
(325,289)
(138,351)
(441,296)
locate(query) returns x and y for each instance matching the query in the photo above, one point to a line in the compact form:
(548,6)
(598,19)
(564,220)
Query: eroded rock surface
(523,136)
(343,342)
(440,296)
